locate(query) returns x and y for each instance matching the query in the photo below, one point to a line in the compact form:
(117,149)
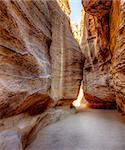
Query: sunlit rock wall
(75,31)
(98,87)
(40,59)
(64,4)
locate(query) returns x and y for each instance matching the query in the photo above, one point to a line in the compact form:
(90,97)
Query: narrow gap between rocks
(75,21)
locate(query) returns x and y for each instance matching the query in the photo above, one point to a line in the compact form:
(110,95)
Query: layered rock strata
(40,59)
(117,47)
(25,37)
(75,30)
(20,130)
(108,60)
(66,58)
(40,68)
(97,77)
(97,7)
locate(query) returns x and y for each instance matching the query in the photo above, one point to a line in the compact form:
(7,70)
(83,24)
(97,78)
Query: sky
(76,7)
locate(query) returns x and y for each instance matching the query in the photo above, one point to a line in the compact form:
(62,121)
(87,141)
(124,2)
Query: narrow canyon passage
(87,130)
(53,53)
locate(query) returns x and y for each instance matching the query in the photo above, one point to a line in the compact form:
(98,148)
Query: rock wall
(117,47)
(25,37)
(103,45)
(40,60)
(98,87)
(66,57)
(97,7)
(75,30)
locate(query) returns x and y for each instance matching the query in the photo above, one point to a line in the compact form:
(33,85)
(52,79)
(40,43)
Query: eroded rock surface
(25,36)
(75,30)
(104,31)
(98,87)
(10,140)
(117,46)
(97,7)
(22,129)
(66,57)
(38,56)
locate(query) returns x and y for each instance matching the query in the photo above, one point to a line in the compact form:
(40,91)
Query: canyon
(43,64)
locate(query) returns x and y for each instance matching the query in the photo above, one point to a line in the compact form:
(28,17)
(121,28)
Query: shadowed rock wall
(103,46)
(117,46)
(98,87)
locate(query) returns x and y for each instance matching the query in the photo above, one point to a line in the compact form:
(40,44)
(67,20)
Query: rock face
(24,53)
(65,55)
(40,59)
(98,87)
(75,30)
(97,7)
(117,46)
(103,45)
(10,139)
(23,128)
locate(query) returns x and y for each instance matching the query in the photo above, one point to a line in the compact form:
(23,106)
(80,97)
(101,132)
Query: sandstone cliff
(103,46)
(66,57)
(117,47)
(75,30)
(98,88)
(40,59)
(42,64)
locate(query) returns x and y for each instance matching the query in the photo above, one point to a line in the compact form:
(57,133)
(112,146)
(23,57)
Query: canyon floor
(87,129)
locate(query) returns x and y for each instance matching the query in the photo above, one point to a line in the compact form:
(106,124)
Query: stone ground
(87,130)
